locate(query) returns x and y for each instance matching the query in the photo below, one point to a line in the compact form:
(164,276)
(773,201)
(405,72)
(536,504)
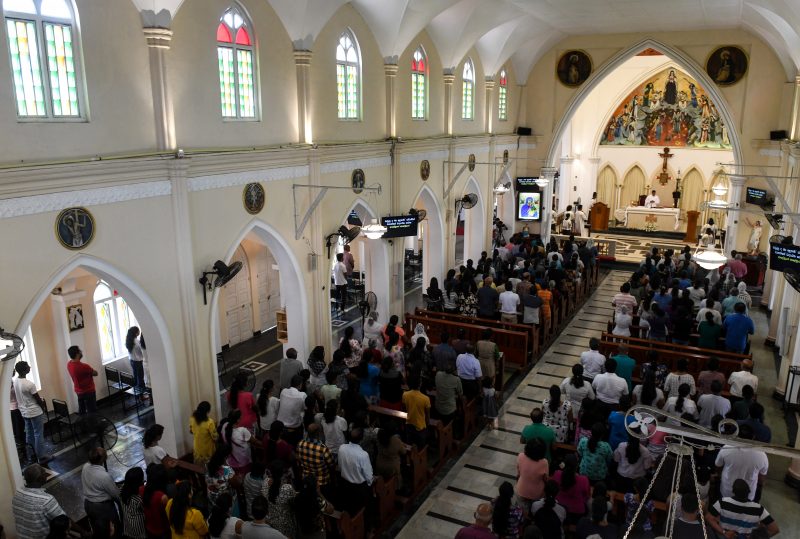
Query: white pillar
(449,78)
(489,109)
(734,201)
(64,338)
(158,43)
(302,63)
(795,131)
(390,71)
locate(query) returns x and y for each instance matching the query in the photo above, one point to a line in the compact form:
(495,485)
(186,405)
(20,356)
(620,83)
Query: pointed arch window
(43,48)
(237,81)
(114,318)
(419,84)
(348,77)
(502,97)
(468,91)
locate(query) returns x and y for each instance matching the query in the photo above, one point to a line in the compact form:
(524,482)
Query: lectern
(599,216)
(691,226)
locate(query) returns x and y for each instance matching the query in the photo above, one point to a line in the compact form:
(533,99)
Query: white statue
(755,236)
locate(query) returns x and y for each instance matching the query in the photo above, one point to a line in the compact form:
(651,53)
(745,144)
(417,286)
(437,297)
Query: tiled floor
(491,458)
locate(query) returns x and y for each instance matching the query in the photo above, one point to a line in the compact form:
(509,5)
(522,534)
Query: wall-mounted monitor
(529,206)
(784,257)
(527,184)
(758,196)
(400,226)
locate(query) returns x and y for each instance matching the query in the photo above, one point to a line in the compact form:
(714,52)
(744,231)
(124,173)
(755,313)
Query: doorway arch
(475,229)
(607,187)
(163,377)
(376,262)
(290,276)
(433,237)
(237,303)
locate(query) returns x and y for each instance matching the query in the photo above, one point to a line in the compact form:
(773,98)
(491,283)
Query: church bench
(350,527)
(385,491)
(721,354)
(532,329)
(513,344)
(669,357)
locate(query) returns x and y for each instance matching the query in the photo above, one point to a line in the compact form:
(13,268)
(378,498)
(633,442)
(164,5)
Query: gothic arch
(475,228)
(433,242)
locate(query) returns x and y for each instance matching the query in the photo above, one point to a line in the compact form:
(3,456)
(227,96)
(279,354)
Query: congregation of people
(583,474)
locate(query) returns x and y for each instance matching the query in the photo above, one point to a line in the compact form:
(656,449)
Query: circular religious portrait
(425,169)
(253,198)
(75,228)
(471,161)
(727,65)
(505,157)
(573,68)
(357,180)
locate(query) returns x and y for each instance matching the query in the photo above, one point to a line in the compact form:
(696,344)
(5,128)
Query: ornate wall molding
(465,151)
(332,167)
(221,181)
(419,156)
(31,205)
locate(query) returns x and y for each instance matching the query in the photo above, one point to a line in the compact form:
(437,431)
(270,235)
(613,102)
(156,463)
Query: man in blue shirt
(737,327)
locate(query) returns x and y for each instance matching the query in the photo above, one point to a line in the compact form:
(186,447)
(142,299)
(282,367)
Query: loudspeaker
(778,135)
(312,262)
(524,131)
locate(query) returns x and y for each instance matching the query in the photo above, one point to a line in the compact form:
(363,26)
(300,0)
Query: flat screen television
(526,184)
(529,206)
(784,257)
(400,226)
(757,196)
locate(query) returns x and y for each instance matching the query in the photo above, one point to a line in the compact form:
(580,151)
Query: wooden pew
(385,493)
(533,330)
(350,527)
(513,344)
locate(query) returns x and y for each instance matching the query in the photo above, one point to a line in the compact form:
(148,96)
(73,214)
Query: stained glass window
(114,318)
(419,88)
(468,91)
(502,97)
(43,50)
(236,68)
(348,75)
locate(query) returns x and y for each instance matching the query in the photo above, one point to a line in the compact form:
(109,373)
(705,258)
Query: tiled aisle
(491,459)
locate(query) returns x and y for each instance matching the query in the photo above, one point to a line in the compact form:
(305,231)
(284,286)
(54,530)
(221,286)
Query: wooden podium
(599,217)
(691,226)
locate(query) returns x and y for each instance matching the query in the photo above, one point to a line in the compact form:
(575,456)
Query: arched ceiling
(523,30)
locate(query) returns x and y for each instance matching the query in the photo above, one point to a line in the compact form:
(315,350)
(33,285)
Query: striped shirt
(133,513)
(622,299)
(33,510)
(740,516)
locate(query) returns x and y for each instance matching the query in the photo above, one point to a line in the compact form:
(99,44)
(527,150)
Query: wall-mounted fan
(11,345)
(348,234)
(98,430)
(224,273)
(777,238)
(366,306)
(792,277)
(419,214)
(466,202)
(775,220)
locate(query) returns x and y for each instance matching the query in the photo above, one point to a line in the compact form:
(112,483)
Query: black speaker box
(524,131)
(778,135)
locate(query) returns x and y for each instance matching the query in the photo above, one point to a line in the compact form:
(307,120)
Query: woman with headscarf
(744,296)
(317,366)
(373,330)
(622,322)
(419,331)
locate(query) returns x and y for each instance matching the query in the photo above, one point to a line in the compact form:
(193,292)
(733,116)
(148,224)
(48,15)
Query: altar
(638,217)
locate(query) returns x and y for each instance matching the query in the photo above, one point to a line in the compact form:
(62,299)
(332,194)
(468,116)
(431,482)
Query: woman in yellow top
(205,434)
(185,521)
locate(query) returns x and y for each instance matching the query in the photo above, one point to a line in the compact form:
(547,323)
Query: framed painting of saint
(573,68)
(727,65)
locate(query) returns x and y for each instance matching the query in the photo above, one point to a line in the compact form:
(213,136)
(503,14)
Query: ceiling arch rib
(531,51)
(394,23)
(778,33)
(499,44)
(304,19)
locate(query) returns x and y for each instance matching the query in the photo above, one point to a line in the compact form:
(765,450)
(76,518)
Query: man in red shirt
(82,380)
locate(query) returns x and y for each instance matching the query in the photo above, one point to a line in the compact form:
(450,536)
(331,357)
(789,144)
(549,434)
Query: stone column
(449,77)
(489,109)
(302,63)
(390,71)
(158,43)
(795,132)
(734,201)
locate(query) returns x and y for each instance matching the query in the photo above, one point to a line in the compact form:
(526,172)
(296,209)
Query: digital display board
(529,206)
(400,226)
(783,257)
(756,196)
(527,184)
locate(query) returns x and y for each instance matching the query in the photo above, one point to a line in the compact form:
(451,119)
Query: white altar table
(638,217)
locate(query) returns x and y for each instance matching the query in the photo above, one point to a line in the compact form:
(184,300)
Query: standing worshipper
(101,495)
(580,221)
(31,406)
(134,343)
(32,506)
(340,281)
(82,381)
(205,434)
(469,370)
(290,366)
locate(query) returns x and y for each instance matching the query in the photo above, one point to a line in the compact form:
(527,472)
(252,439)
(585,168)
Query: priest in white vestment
(652,200)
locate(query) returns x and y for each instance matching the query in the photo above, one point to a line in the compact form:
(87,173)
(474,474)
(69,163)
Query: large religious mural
(669,109)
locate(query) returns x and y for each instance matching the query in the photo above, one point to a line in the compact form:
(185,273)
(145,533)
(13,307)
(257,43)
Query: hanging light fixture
(720,189)
(374,230)
(542,181)
(501,189)
(718,204)
(709,259)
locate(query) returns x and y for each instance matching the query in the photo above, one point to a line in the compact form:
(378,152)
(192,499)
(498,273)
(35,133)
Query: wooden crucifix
(663,178)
